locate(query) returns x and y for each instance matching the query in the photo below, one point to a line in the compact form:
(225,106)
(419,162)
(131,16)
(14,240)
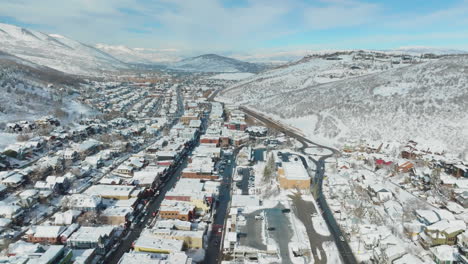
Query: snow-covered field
(331,251)
(320,226)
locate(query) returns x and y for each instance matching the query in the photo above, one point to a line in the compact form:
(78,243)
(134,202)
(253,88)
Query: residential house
(444,232)
(444,254)
(99,237)
(44,234)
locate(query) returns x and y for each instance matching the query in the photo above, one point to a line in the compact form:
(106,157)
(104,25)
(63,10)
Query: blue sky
(248,26)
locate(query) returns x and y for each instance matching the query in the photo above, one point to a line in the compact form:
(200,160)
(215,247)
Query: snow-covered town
(233,132)
(166,175)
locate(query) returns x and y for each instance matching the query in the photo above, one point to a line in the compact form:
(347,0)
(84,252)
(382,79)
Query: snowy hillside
(55,51)
(309,71)
(424,102)
(29,91)
(137,55)
(216,63)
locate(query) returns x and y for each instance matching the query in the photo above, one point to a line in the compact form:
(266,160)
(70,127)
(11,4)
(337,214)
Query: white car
(258,217)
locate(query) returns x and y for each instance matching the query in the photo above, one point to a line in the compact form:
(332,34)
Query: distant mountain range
(216,63)
(71,56)
(138,55)
(423,50)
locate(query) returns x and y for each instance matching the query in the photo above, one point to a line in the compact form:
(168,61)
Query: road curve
(343,247)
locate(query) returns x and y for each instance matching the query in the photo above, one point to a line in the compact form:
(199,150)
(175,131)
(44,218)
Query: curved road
(343,247)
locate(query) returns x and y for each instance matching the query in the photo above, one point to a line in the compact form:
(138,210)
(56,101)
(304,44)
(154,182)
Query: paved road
(213,252)
(155,201)
(343,247)
(244,183)
(126,243)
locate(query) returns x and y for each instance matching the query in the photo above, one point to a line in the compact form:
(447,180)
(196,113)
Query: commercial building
(292,175)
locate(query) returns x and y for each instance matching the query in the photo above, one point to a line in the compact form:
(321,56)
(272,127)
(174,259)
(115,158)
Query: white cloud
(340,13)
(187,27)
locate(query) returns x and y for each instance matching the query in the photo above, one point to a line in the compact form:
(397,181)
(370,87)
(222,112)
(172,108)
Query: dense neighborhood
(159,172)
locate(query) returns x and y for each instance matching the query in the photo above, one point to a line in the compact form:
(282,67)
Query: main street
(132,233)
(213,252)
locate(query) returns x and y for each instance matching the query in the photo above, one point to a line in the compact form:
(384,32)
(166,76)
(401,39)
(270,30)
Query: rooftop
(295,170)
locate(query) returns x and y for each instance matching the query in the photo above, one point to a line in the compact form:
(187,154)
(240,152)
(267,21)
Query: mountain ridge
(216,63)
(56,51)
(423,101)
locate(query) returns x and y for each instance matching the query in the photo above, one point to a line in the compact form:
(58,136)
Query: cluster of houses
(400,202)
(182,223)
(28,126)
(70,198)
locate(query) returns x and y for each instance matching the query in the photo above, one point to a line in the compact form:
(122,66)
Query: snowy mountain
(55,51)
(216,63)
(138,55)
(424,102)
(29,91)
(425,50)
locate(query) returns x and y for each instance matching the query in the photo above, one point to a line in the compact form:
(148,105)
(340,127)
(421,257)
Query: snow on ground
(331,251)
(320,226)
(317,152)
(79,108)
(232,76)
(7,139)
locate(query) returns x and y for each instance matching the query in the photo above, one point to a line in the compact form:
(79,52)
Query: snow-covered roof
(110,190)
(408,258)
(148,241)
(428,215)
(91,234)
(445,253)
(47,231)
(244,200)
(295,171)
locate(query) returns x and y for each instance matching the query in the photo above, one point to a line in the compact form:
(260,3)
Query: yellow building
(191,239)
(293,175)
(152,244)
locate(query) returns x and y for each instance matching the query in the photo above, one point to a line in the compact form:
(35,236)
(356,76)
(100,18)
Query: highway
(343,247)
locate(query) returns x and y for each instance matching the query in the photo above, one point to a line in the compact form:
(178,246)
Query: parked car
(242,234)
(258,217)
(271,229)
